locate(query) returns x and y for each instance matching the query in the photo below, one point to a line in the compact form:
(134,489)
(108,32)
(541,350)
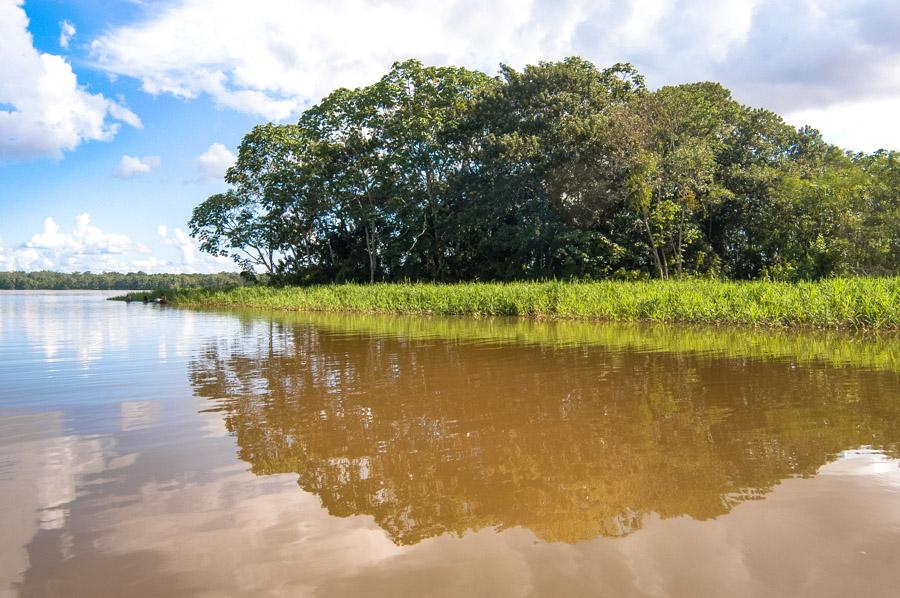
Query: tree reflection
(431,436)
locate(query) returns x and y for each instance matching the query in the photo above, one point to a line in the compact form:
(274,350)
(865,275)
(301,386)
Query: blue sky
(117,118)
(88,179)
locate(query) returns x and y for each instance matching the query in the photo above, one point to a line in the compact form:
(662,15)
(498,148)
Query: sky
(118,117)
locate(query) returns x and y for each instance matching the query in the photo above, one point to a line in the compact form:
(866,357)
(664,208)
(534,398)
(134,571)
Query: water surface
(150,451)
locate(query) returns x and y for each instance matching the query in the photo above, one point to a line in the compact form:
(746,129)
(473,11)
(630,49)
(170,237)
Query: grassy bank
(860,303)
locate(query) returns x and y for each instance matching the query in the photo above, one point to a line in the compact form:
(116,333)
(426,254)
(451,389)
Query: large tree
(561,169)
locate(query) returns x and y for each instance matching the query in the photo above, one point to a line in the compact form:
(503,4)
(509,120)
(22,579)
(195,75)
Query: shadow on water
(572,430)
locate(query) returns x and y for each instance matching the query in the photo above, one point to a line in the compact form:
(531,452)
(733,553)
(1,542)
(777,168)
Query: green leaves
(558,170)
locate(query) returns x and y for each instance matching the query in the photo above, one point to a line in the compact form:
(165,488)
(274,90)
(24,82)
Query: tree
(419,117)
(344,129)
(276,173)
(234,225)
(561,169)
(877,243)
(548,186)
(674,136)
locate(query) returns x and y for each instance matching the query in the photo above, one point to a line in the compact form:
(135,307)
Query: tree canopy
(559,170)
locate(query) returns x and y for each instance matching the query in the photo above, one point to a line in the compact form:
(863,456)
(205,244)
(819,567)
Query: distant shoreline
(849,303)
(46,280)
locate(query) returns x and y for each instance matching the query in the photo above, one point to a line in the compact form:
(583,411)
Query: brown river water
(153,451)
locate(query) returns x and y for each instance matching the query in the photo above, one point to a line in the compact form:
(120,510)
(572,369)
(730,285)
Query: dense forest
(133,281)
(560,170)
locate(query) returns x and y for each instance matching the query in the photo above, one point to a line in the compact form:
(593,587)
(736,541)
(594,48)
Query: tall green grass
(859,303)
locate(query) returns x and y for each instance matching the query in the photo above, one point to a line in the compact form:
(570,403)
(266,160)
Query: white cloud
(87,247)
(187,246)
(214,162)
(43,110)
(84,247)
(184,243)
(119,112)
(866,125)
(272,57)
(130,166)
(85,238)
(66,33)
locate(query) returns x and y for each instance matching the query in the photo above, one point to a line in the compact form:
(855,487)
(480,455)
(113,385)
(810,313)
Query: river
(152,451)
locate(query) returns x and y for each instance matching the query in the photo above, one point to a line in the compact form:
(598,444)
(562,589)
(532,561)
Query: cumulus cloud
(84,238)
(192,260)
(180,240)
(43,110)
(66,33)
(87,247)
(817,53)
(130,166)
(272,57)
(214,162)
(84,247)
(865,125)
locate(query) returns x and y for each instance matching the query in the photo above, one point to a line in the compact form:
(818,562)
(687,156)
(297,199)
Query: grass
(856,303)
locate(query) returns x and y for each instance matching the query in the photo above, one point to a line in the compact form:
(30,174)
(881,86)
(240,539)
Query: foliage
(561,170)
(862,303)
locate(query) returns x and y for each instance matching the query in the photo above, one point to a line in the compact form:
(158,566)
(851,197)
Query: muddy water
(149,451)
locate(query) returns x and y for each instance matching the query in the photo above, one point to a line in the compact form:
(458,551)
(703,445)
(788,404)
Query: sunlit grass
(860,303)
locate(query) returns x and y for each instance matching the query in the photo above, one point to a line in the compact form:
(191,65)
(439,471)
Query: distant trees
(559,170)
(133,281)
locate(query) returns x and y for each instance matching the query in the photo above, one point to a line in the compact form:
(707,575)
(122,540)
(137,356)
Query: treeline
(136,281)
(559,170)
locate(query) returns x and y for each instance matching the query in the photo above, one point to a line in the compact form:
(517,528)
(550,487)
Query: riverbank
(858,303)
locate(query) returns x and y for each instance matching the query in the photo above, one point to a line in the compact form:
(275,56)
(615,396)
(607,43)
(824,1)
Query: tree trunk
(370,249)
(665,264)
(659,265)
(679,247)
